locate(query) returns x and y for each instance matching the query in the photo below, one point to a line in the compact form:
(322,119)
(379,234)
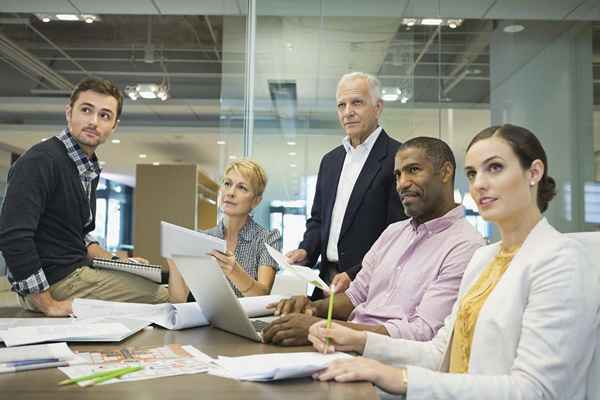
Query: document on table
(169,316)
(271,367)
(158,362)
(308,274)
(106,330)
(27,358)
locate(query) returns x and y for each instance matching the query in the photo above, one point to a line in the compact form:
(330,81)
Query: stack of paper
(105,330)
(170,316)
(37,357)
(271,367)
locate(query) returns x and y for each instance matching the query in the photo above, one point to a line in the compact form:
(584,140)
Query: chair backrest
(591,241)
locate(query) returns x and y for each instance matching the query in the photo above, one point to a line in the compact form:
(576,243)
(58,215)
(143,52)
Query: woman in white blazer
(535,333)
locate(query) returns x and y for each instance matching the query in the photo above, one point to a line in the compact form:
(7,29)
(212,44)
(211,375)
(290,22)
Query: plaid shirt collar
(88,168)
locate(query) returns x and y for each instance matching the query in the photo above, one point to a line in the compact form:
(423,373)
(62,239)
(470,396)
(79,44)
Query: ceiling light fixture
(409,21)
(46,19)
(156,164)
(147,91)
(232,157)
(292,153)
(67,17)
(513,28)
(291,143)
(116,141)
(89,19)
(221,142)
(390,93)
(452,23)
(432,21)
(143,156)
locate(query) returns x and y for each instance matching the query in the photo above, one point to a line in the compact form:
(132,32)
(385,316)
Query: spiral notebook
(148,271)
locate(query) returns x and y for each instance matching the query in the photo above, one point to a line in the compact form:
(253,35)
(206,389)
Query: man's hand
(289,330)
(297,256)
(296,304)
(341,282)
(45,303)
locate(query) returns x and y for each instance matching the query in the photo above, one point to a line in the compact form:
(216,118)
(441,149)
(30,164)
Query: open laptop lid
(213,293)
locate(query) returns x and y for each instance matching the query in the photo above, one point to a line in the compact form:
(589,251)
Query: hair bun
(546,192)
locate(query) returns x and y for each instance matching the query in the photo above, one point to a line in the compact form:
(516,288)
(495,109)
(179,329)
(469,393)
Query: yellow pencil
(330,311)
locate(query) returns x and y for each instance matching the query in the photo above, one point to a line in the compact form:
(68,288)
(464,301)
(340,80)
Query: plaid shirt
(88,171)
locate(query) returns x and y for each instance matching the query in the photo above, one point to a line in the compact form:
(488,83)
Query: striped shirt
(250,251)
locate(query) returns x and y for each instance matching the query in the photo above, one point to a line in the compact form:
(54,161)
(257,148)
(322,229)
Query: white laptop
(206,280)
(217,299)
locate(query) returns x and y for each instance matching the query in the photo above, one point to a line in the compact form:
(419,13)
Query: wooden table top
(41,384)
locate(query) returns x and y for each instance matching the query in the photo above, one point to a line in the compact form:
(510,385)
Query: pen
(29,367)
(113,375)
(330,310)
(92,376)
(30,362)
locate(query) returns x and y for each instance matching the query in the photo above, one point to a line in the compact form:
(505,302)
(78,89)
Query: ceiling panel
(116,6)
(588,11)
(532,9)
(36,6)
(205,7)
(465,8)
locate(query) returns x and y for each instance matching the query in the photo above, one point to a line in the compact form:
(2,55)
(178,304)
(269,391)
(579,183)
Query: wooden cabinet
(180,194)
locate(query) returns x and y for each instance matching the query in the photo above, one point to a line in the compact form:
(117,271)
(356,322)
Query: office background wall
(473,63)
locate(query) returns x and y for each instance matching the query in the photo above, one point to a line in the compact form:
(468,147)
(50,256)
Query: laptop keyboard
(259,325)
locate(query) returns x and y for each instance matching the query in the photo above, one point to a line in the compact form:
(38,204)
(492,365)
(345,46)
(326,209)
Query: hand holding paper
(300,271)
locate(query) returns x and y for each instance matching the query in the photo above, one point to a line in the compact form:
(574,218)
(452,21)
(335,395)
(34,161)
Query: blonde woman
(525,322)
(246,262)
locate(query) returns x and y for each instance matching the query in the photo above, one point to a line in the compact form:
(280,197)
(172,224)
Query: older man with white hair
(355,198)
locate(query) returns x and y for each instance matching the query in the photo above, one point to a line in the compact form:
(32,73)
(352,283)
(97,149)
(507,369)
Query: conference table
(42,384)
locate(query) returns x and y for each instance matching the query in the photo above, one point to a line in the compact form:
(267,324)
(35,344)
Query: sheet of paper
(170,316)
(300,271)
(158,362)
(38,334)
(268,367)
(177,240)
(58,351)
(256,306)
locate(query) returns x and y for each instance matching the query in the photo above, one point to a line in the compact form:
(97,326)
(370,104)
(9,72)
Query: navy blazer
(373,205)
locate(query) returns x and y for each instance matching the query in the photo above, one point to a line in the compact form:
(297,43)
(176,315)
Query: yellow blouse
(469,308)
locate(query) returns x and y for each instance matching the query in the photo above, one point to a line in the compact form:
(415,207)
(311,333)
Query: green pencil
(330,311)
(113,375)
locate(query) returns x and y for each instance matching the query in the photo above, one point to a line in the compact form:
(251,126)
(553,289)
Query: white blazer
(535,335)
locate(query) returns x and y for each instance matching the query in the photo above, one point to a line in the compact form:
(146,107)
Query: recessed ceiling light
(390,93)
(292,153)
(291,143)
(232,157)
(409,21)
(431,21)
(514,28)
(45,19)
(143,156)
(156,163)
(221,142)
(116,141)
(89,19)
(67,17)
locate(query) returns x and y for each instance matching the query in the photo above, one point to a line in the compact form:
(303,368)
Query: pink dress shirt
(410,277)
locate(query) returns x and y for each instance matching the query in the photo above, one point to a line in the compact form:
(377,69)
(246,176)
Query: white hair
(372,81)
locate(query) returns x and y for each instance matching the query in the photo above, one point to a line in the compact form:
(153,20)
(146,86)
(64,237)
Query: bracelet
(249,287)
(404,382)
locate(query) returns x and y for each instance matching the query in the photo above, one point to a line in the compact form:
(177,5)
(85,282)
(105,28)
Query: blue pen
(31,362)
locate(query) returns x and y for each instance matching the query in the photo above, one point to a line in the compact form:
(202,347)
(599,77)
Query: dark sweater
(42,223)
